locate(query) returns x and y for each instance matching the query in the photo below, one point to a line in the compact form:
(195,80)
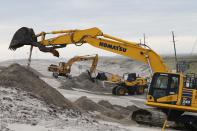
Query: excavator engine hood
(23,36)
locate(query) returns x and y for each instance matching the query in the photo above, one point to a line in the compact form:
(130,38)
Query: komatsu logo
(118,48)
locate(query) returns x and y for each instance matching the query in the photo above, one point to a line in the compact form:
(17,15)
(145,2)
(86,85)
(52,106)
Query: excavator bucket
(26,36)
(23,36)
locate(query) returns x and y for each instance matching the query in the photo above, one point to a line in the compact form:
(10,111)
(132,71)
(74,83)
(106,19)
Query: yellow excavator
(171,93)
(64,69)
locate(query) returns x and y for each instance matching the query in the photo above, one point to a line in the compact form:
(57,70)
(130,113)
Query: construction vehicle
(171,93)
(64,69)
(114,78)
(131,85)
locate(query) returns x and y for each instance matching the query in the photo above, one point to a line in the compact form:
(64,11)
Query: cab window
(190,83)
(162,82)
(163,85)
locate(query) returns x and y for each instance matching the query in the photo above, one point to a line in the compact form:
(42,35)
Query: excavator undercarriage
(156,117)
(150,116)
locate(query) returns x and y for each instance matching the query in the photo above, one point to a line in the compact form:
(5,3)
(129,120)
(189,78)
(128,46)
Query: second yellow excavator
(171,93)
(64,69)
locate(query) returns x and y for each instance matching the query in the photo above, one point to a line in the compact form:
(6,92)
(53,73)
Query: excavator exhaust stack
(23,36)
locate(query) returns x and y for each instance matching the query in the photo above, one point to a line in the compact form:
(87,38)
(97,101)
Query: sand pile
(103,109)
(2,67)
(17,107)
(90,106)
(20,77)
(124,111)
(35,72)
(83,81)
(106,104)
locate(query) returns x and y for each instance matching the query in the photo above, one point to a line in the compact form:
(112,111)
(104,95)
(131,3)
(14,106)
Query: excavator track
(155,117)
(187,121)
(151,117)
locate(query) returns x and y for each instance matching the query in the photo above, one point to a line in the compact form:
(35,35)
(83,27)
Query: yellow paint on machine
(169,98)
(194,98)
(175,107)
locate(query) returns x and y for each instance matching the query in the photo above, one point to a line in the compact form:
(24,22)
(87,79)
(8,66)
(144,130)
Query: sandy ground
(23,127)
(22,112)
(58,124)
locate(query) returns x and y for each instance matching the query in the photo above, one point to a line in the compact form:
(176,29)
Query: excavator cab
(164,88)
(130,77)
(62,64)
(174,91)
(101,76)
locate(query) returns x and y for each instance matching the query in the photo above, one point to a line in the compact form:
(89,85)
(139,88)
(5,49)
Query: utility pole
(140,41)
(175,52)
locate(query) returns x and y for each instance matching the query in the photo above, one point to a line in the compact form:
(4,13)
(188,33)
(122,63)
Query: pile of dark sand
(83,81)
(124,111)
(88,105)
(104,108)
(21,77)
(106,104)
(2,67)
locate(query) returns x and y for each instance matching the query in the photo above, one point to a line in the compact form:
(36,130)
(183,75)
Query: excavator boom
(90,36)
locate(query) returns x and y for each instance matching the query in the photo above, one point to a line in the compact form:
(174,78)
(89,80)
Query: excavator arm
(92,36)
(94,65)
(83,58)
(65,68)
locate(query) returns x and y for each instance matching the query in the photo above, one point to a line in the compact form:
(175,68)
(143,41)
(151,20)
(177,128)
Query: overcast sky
(125,19)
